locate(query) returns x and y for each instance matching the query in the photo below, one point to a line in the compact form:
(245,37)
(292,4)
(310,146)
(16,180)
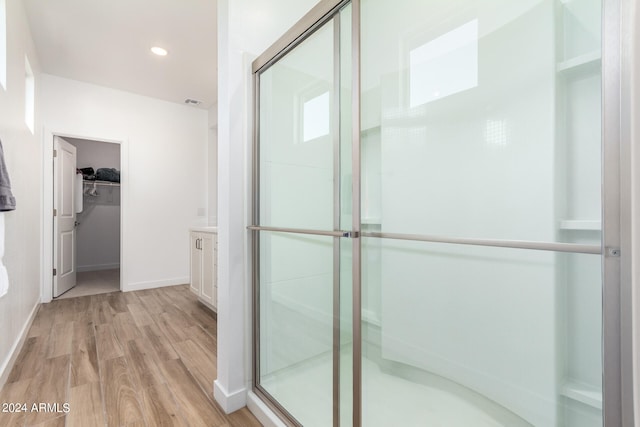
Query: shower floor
(388,400)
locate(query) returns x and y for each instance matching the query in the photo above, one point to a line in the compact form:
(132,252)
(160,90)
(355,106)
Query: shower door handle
(335,233)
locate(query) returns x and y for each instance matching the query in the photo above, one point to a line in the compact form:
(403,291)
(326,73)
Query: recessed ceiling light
(159,51)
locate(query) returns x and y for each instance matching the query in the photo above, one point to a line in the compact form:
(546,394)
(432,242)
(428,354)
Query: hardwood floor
(145,358)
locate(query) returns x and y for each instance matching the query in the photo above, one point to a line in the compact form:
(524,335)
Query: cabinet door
(196,262)
(208,267)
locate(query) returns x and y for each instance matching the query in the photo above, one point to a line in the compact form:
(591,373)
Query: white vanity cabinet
(204,264)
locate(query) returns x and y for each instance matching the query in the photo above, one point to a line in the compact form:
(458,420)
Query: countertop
(205,229)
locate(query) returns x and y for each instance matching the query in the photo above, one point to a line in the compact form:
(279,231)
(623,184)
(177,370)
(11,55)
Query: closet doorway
(97,209)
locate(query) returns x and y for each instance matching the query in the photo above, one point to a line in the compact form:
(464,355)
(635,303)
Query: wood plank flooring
(145,358)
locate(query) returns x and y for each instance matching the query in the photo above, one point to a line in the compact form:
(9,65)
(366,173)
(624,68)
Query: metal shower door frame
(615,249)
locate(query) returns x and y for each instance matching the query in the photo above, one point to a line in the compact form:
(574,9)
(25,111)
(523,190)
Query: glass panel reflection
(481,119)
(296,136)
(444,66)
(466,335)
(296,324)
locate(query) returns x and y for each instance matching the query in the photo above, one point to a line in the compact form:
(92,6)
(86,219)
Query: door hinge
(55,153)
(55,212)
(55,272)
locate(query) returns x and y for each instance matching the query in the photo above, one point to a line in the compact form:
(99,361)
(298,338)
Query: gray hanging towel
(7,201)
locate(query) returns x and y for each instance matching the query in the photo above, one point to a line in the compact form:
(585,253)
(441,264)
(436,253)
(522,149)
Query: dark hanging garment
(108,174)
(7,201)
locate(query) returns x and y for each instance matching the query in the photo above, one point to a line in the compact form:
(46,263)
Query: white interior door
(64,219)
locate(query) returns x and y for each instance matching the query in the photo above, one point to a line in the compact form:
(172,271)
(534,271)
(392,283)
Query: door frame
(47,238)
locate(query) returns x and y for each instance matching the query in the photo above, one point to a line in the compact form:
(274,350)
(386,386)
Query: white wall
(98,231)
(163,172)
(22,155)
(212,165)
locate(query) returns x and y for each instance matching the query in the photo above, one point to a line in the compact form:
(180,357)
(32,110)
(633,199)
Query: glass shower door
(298,252)
(481,213)
(475,258)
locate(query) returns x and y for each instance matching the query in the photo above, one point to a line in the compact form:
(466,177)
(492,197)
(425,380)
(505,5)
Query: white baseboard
(262,412)
(97,267)
(230,402)
(17,346)
(139,286)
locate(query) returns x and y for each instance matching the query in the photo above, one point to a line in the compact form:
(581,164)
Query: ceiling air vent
(190,101)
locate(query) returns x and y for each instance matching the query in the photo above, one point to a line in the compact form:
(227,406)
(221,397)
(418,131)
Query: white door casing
(64,219)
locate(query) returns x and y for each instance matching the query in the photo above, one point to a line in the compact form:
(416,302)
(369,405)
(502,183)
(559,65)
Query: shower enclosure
(431,244)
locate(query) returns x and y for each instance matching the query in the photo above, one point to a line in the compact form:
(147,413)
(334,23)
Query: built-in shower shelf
(589,395)
(371,220)
(581,61)
(581,224)
(371,128)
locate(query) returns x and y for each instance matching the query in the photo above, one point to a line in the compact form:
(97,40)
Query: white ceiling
(107,42)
